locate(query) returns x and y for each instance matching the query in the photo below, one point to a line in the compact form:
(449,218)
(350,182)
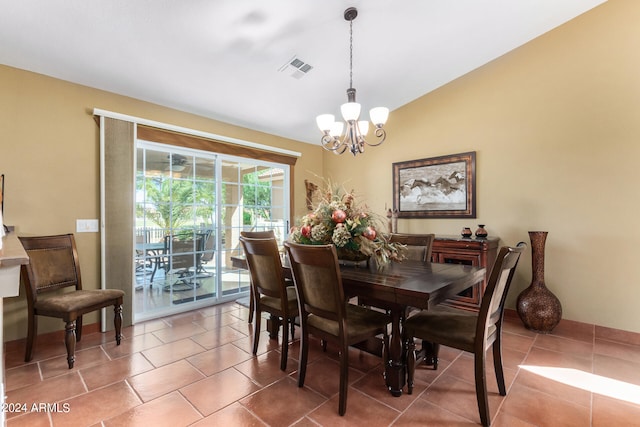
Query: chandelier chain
(351,53)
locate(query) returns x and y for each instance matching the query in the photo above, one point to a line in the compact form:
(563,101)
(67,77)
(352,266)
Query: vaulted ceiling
(230,60)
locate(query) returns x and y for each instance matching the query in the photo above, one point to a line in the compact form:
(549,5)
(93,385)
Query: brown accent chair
(270,290)
(472,332)
(267,234)
(326,313)
(419,246)
(53,265)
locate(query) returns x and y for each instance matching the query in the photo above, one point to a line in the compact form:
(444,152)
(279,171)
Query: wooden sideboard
(470,251)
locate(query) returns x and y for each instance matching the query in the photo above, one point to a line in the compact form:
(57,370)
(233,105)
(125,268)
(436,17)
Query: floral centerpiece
(351,227)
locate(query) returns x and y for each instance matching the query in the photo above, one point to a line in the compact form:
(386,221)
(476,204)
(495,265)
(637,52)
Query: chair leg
(117,322)
(431,350)
(78,328)
(70,342)
(411,363)
(481,388)
(31,337)
(251,306)
(344,379)
(285,344)
(497,366)
(304,352)
(256,330)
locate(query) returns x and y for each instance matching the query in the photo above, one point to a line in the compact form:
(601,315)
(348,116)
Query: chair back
(266,234)
(316,275)
(492,306)
(53,264)
(265,267)
(209,244)
(181,252)
(419,246)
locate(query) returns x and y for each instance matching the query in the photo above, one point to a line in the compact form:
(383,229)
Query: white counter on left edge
(12,256)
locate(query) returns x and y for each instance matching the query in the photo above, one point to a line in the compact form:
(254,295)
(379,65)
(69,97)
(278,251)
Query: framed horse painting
(438,187)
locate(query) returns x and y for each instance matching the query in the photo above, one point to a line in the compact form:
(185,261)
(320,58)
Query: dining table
(397,287)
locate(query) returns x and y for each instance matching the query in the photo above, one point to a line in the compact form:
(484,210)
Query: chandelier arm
(379,133)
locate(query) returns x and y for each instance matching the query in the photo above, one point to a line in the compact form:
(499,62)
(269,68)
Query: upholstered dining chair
(266,234)
(326,313)
(472,332)
(419,246)
(53,266)
(270,291)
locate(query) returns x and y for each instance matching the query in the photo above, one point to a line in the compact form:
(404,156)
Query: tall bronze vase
(539,309)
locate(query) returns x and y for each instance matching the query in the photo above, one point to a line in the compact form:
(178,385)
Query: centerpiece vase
(539,309)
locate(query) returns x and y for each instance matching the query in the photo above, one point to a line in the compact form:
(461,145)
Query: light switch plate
(87,226)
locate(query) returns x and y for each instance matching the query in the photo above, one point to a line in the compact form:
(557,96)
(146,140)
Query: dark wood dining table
(397,287)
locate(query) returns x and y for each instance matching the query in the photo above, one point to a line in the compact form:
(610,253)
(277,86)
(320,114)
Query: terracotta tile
(22,376)
(625,337)
(171,352)
(618,369)
(612,412)
(219,390)
(564,345)
(48,391)
(464,368)
(618,350)
(178,332)
(540,408)
(459,397)
(131,345)
(265,368)
(115,370)
(543,357)
(323,376)
(507,420)
(97,405)
(165,379)
(182,319)
(373,385)
(144,327)
(554,387)
(212,339)
(163,411)
(31,419)
(265,344)
(218,359)
(233,415)
(423,413)
(84,359)
(214,322)
(282,402)
(362,410)
(574,330)
(516,342)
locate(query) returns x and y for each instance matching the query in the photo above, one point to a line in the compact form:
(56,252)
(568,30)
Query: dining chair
(266,234)
(468,331)
(419,246)
(182,256)
(326,313)
(270,290)
(53,266)
(207,255)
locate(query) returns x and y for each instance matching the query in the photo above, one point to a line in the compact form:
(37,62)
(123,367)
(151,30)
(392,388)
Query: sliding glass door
(190,209)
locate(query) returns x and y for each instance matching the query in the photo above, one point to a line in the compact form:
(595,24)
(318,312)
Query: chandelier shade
(356,130)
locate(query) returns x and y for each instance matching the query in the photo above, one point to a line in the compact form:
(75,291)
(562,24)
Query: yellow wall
(554,123)
(49,153)
(556,128)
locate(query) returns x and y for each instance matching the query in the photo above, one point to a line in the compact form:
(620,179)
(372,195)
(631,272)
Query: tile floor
(196,368)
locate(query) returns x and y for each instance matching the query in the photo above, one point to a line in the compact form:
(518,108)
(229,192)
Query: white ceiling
(221,58)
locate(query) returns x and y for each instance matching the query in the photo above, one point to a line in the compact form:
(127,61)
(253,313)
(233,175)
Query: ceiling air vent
(296,68)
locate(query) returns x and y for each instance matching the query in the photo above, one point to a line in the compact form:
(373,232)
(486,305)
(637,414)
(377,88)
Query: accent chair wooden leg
(70,342)
(117,322)
(285,345)
(78,328)
(31,337)
(251,306)
(344,380)
(256,330)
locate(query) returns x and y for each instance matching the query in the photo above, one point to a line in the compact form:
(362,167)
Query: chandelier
(356,130)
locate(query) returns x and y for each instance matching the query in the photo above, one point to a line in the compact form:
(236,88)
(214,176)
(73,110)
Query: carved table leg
(395,371)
